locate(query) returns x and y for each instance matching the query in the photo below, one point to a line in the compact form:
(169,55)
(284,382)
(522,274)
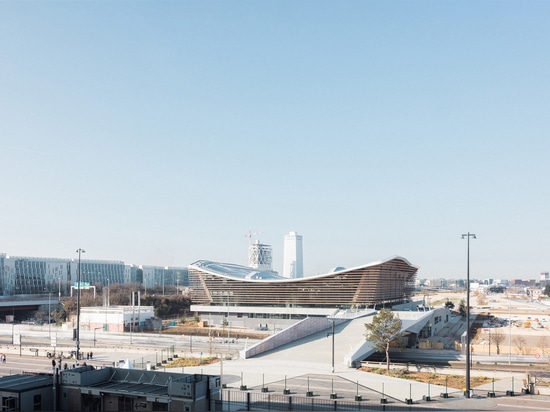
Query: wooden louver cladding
(388,282)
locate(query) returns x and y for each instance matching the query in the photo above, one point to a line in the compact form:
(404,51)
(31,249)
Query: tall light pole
(332,333)
(50,315)
(12,325)
(468,236)
(509,330)
(108,293)
(489,341)
(94,335)
(79,251)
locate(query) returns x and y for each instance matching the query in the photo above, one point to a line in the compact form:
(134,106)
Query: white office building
(293,265)
(23,275)
(118,318)
(260,256)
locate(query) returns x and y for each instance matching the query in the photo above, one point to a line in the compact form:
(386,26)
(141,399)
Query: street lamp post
(332,346)
(94,335)
(79,251)
(509,330)
(229,335)
(332,333)
(12,325)
(468,366)
(489,341)
(50,315)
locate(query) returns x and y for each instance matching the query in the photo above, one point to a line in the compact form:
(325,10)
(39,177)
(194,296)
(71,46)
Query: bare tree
(462,308)
(497,337)
(87,298)
(520,343)
(481,299)
(543,345)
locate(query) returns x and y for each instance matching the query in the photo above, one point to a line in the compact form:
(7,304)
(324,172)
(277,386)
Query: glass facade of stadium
(378,284)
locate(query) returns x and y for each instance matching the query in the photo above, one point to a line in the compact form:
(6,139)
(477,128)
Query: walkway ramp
(311,340)
(292,335)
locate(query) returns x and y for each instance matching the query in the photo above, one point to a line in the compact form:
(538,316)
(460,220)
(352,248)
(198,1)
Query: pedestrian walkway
(300,377)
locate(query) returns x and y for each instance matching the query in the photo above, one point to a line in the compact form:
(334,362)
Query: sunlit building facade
(260,256)
(24,275)
(245,292)
(293,264)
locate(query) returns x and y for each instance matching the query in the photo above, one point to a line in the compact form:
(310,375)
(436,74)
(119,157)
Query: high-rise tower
(293,265)
(259,256)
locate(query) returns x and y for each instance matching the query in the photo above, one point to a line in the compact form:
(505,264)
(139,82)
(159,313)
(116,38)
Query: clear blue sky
(161,132)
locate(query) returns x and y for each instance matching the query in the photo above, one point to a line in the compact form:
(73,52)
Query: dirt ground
(196,329)
(452,381)
(517,339)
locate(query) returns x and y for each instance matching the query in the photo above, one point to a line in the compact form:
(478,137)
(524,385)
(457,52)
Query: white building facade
(260,256)
(117,318)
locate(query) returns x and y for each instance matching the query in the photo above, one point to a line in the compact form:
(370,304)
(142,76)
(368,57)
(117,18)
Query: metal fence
(235,400)
(155,360)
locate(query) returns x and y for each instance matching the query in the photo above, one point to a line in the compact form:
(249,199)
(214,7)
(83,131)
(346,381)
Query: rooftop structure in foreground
(110,389)
(375,284)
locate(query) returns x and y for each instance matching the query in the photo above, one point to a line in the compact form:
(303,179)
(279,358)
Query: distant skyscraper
(293,256)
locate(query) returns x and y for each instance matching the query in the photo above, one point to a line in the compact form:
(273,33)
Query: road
(108,346)
(292,367)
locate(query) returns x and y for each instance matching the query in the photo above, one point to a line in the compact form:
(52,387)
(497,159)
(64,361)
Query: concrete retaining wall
(303,328)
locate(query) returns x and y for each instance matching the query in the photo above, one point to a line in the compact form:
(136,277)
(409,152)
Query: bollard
(285,390)
(332,393)
(492,393)
(243,386)
(358,397)
(308,393)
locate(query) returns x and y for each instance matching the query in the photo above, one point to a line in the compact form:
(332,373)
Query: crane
(250,234)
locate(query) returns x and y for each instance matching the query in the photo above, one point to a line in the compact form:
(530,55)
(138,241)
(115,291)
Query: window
(37,403)
(125,403)
(9,404)
(158,406)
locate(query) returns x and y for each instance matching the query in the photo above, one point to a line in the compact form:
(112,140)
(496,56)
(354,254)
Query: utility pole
(468,366)
(79,251)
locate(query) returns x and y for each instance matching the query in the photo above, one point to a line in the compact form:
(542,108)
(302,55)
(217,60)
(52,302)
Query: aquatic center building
(221,291)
